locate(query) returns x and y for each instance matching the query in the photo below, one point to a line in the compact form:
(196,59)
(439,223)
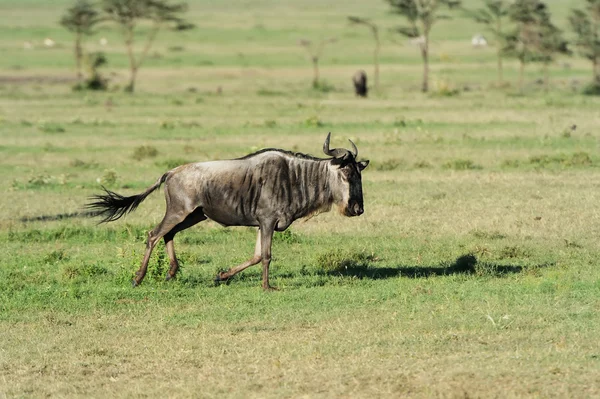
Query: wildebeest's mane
(294,154)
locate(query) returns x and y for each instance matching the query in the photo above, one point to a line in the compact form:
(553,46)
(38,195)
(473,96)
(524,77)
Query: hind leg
(193,218)
(168,223)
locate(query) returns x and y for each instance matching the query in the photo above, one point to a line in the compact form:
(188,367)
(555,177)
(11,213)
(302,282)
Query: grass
(472,273)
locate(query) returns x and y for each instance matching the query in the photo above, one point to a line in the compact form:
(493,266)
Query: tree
(521,42)
(421,16)
(315,54)
(535,38)
(80,19)
(492,16)
(129,13)
(375,31)
(551,42)
(586,24)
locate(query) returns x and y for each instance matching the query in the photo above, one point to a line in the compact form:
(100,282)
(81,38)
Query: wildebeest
(268,189)
(360,83)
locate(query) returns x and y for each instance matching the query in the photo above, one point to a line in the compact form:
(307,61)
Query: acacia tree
(421,15)
(129,13)
(535,38)
(492,16)
(550,43)
(522,41)
(315,52)
(80,19)
(375,31)
(586,24)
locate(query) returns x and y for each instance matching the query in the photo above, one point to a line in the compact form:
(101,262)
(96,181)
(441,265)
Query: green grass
(472,273)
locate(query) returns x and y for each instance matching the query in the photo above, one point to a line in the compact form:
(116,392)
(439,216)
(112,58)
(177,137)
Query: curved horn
(336,152)
(326,149)
(355,150)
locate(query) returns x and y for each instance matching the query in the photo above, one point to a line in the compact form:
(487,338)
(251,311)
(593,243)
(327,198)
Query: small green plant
(109,178)
(323,87)
(85,271)
(577,159)
(461,164)
(78,163)
(313,121)
(337,261)
(269,93)
(50,127)
(46,180)
(172,163)
(390,164)
(159,265)
(511,163)
(592,89)
(144,151)
(55,256)
(422,165)
(445,89)
(488,235)
(513,251)
(288,236)
(94,80)
(399,122)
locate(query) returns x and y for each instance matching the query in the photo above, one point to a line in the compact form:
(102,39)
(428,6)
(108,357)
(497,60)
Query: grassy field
(472,273)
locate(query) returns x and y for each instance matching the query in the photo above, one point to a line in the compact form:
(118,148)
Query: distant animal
(478,41)
(360,83)
(49,42)
(268,189)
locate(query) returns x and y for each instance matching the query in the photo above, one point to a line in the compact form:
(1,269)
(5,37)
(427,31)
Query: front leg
(266,239)
(224,276)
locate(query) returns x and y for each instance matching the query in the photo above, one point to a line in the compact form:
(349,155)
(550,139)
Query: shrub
(78,163)
(461,164)
(390,164)
(144,151)
(566,160)
(323,87)
(287,236)
(109,178)
(338,261)
(71,271)
(422,165)
(314,121)
(55,256)
(50,127)
(172,163)
(592,89)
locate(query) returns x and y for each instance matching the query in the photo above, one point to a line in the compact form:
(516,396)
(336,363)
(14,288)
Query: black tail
(112,205)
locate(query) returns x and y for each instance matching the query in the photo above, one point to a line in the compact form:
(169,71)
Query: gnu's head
(348,191)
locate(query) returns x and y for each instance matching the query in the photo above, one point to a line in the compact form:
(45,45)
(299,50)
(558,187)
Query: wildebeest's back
(241,192)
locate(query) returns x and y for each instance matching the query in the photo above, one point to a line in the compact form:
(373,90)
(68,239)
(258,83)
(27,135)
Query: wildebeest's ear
(362,164)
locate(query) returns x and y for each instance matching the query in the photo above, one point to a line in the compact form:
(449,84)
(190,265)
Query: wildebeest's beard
(355,203)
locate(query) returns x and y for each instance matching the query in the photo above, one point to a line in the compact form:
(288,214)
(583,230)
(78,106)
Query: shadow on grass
(465,265)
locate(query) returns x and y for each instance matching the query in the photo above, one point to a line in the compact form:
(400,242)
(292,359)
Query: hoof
(134,283)
(220,279)
(169,277)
